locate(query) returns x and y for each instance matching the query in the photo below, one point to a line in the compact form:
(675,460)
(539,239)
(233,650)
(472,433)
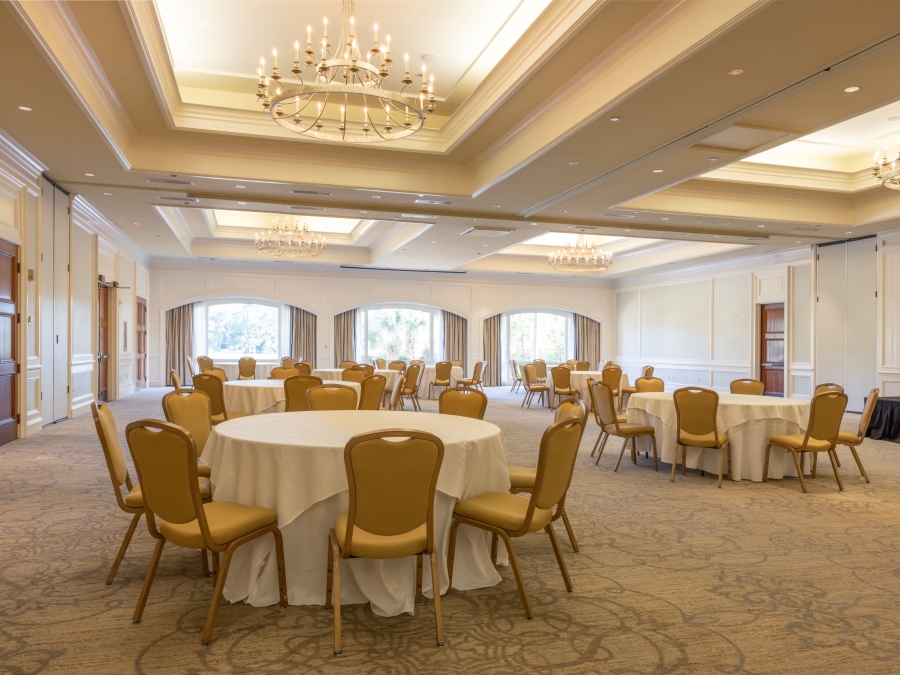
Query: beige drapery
(345,337)
(455,337)
(303,336)
(492,351)
(179,341)
(587,340)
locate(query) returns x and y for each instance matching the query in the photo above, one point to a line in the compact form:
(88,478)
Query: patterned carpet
(672,578)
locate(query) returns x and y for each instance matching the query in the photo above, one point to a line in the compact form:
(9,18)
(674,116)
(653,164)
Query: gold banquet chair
(391,515)
(522,478)
(828,386)
(395,402)
(532,385)
(695,413)
(176,379)
(211,385)
(464,402)
(611,376)
(295,389)
(372,392)
(132,502)
(346,364)
(287,362)
(613,424)
(215,371)
(380,364)
(583,365)
(191,410)
(442,371)
(165,458)
(507,516)
(646,371)
(456,364)
(852,440)
(354,374)
(515,375)
(331,397)
(246,368)
(204,363)
(748,387)
(825,415)
(649,385)
(370,369)
(282,373)
(603,436)
(410,386)
(562,384)
(540,367)
(397,365)
(190,365)
(305,367)
(476,378)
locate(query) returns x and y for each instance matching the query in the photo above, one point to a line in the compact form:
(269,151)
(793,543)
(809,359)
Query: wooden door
(771,349)
(8,331)
(103,343)
(140,346)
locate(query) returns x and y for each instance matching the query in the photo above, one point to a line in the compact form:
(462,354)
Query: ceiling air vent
(486,232)
(184,200)
(677,234)
(616,215)
(420,216)
(311,192)
(169,181)
(712,222)
(804,229)
(432,201)
(755,239)
(308,208)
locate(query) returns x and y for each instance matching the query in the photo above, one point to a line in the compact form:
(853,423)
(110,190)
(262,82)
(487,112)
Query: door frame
(758,347)
(759,299)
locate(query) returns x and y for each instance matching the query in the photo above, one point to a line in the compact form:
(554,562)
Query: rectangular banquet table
(263,396)
(748,421)
(294,463)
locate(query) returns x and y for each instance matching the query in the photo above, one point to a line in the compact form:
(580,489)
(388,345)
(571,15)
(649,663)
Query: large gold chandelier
(886,171)
(288,238)
(344,99)
(582,256)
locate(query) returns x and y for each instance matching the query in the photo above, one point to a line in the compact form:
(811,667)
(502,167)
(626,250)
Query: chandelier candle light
(583,256)
(288,239)
(886,171)
(345,99)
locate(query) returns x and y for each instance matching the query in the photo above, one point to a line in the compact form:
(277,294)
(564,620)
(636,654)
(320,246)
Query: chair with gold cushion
(442,371)
(280,373)
(346,364)
(748,387)
(521,478)
(649,385)
(603,437)
(395,402)
(305,367)
(464,402)
(331,397)
(354,374)
(583,365)
(176,379)
(611,376)
(212,386)
(165,458)
(190,365)
(506,515)
(391,515)
(417,362)
(397,365)
(476,376)
(533,386)
(372,392)
(562,384)
(829,386)
(456,364)
(411,386)
(696,426)
(190,409)
(825,414)
(852,440)
(611,424)
(568,366)
(515,375)
(131,502)
(370,369)
(295,389)
(246,368)
(216,372)
(540,367)
(380,364)
(287,362)
(204,363)
(646,372)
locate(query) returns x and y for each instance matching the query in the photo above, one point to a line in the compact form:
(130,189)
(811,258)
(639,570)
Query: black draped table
(885,424)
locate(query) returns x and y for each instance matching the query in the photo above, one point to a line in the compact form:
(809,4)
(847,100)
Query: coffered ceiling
(617,119)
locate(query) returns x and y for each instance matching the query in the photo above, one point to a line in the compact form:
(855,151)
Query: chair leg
(721,464)
(436,589)
(494,543)
(559,558)
(215,559)
(514,563)
(837,475)
(621,454)
(815,461)
(655,455)
(217,595)
(766,465)
(858,462)
(148,580)
(279,561)
(837,457)
(569,531)
(634,451)
(730,475)
(329,574)
(419,578)
(799,469)
(130,533)
(204,561)
(675,461)
(335,558)
(451,552)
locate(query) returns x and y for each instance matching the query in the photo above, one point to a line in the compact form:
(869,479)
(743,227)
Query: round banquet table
(579,379)
(456,373)
(748,421)
(263,396)
(294,463)
(335,374)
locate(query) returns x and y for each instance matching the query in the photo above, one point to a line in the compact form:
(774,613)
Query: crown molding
(174,218)
(94,221)
(793,177)
(20,166)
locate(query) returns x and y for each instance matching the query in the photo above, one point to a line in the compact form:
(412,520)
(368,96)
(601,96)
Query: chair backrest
(305,367)
(295,388)
(189,410)
(695,411)
(217,372)
(647,371)
(562,377)
(176,379)
(190,365)
(392,483)
(331,397)
(281,373)
(866,417)
(417,362)
(457,364)
(371,392)
(397,365)
(346,364)
(583,365)
(529,374)
(604,404)
(611,376)
(464,402)
(204,363)
(748,386)
(442,370)
(829,386)
(354,374)
(246,368)
(479,369)
(211,385)
(369,368)
(556,462)
(411,382)
(514,370)
(397,391)
(112,449)
(287,362)
(571,408)
(825,414)
(381,364)
(540,367)
(568,366)
(646,385)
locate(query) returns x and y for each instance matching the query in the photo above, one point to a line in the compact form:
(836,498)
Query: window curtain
(179,341)
(303,335)
(455,337)
(587,340)
(492,349)
(345,337)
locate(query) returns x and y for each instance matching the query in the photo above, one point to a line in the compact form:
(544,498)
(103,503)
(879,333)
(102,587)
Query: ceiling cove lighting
(582,256)
(289,237)
(343,98)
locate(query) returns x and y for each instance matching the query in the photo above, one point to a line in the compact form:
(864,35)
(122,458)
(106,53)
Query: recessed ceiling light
(613,119)
(563,211)
(434,242)
(848,233)
(657,170)
(242,203)
(665,218)
(573,163)
(713,159)
(363,211)
(240,187)
(716,236)
(376,197)
(90,175)
(850,90)
(627,230)
(431,57)
(25,108)
(799,242)
(108,194)
(496,206)
(735,71)
(484,245)
(137,224)
(760,225)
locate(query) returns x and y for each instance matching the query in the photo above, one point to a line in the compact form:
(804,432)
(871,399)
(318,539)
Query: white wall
(888,320)
(332,292)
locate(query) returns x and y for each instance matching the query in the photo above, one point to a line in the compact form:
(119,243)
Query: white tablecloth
(335,374)
(232,372)
(294,463)
(263,396)
(748,421)
(456,373)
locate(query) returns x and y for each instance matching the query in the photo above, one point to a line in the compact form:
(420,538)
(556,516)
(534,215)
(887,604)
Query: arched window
(404,332)
(539,334)
(229,328)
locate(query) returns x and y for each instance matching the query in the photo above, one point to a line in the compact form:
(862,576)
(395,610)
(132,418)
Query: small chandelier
(289,239)
(885,171)
(580,257)
(344,99)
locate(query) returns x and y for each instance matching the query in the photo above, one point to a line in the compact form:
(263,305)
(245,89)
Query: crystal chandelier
(289,239)
(583,256)
(885,171)
(344,99)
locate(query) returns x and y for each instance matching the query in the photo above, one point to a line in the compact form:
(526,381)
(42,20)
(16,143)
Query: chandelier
(289,239)
(344,99)
(583,256)
(886,171)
